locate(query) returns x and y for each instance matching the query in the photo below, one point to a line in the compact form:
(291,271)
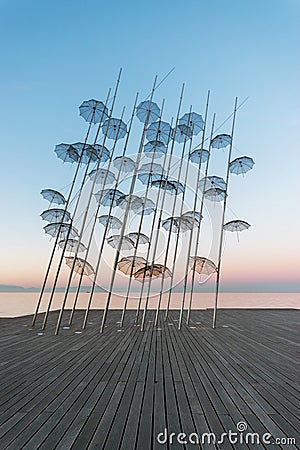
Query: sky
(56,54)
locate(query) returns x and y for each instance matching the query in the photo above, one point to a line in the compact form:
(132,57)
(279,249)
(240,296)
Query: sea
(16,304)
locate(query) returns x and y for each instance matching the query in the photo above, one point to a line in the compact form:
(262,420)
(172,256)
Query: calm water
(19,304)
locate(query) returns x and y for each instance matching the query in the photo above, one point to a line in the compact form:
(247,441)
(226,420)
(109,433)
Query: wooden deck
(120,389)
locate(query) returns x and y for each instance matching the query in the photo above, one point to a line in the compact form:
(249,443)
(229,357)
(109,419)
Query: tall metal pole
(65,209)
(167,248)
(199,228)
(84,220)
(223,219)
(107,224)
(161,209)
(148,185)
(126,214)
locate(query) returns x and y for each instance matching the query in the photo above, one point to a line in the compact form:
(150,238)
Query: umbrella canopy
(138,238)
(241,165)
(56,215)
(178,224)
(126,242)
(124,164)
(151,167)
(113,222)
(67,153)
(93,111)
(53,196)
(147,109)
(236,225)
(174,187)
(114,128)
(194,121)
(150,172)
(92,153)
(160,131)
(152,271)
(130,264)
(109,197)
(72,245)
(158,148)
(148,206)
(221,141)
(215,194)
(64,229)
(149,177)
(86,152)
(81,265)
(102,176)
(135,202)
(202,265)
(79,146)
(194,215)
(212,182)
(198,155)
(182,133)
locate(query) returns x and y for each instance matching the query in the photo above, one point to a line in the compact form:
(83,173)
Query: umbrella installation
(164,191)
(80,234)
(190,219)
(237,166)
(202,187)
(102,176)
(126,213)
(198,158)
(132,210)
(184,224)
(111,199)
(168,241)
(66,202)
(145,176)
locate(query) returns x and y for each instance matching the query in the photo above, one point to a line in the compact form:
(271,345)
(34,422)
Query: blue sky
(55,54)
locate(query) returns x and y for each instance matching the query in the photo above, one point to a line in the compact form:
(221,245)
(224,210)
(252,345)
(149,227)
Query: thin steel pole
(115,266)
(85,213)
(200,225)
(168,245)
(194,209)
(223,219)
(93,225)
(107,224)
(65,209)
(140,225)
(161,208)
